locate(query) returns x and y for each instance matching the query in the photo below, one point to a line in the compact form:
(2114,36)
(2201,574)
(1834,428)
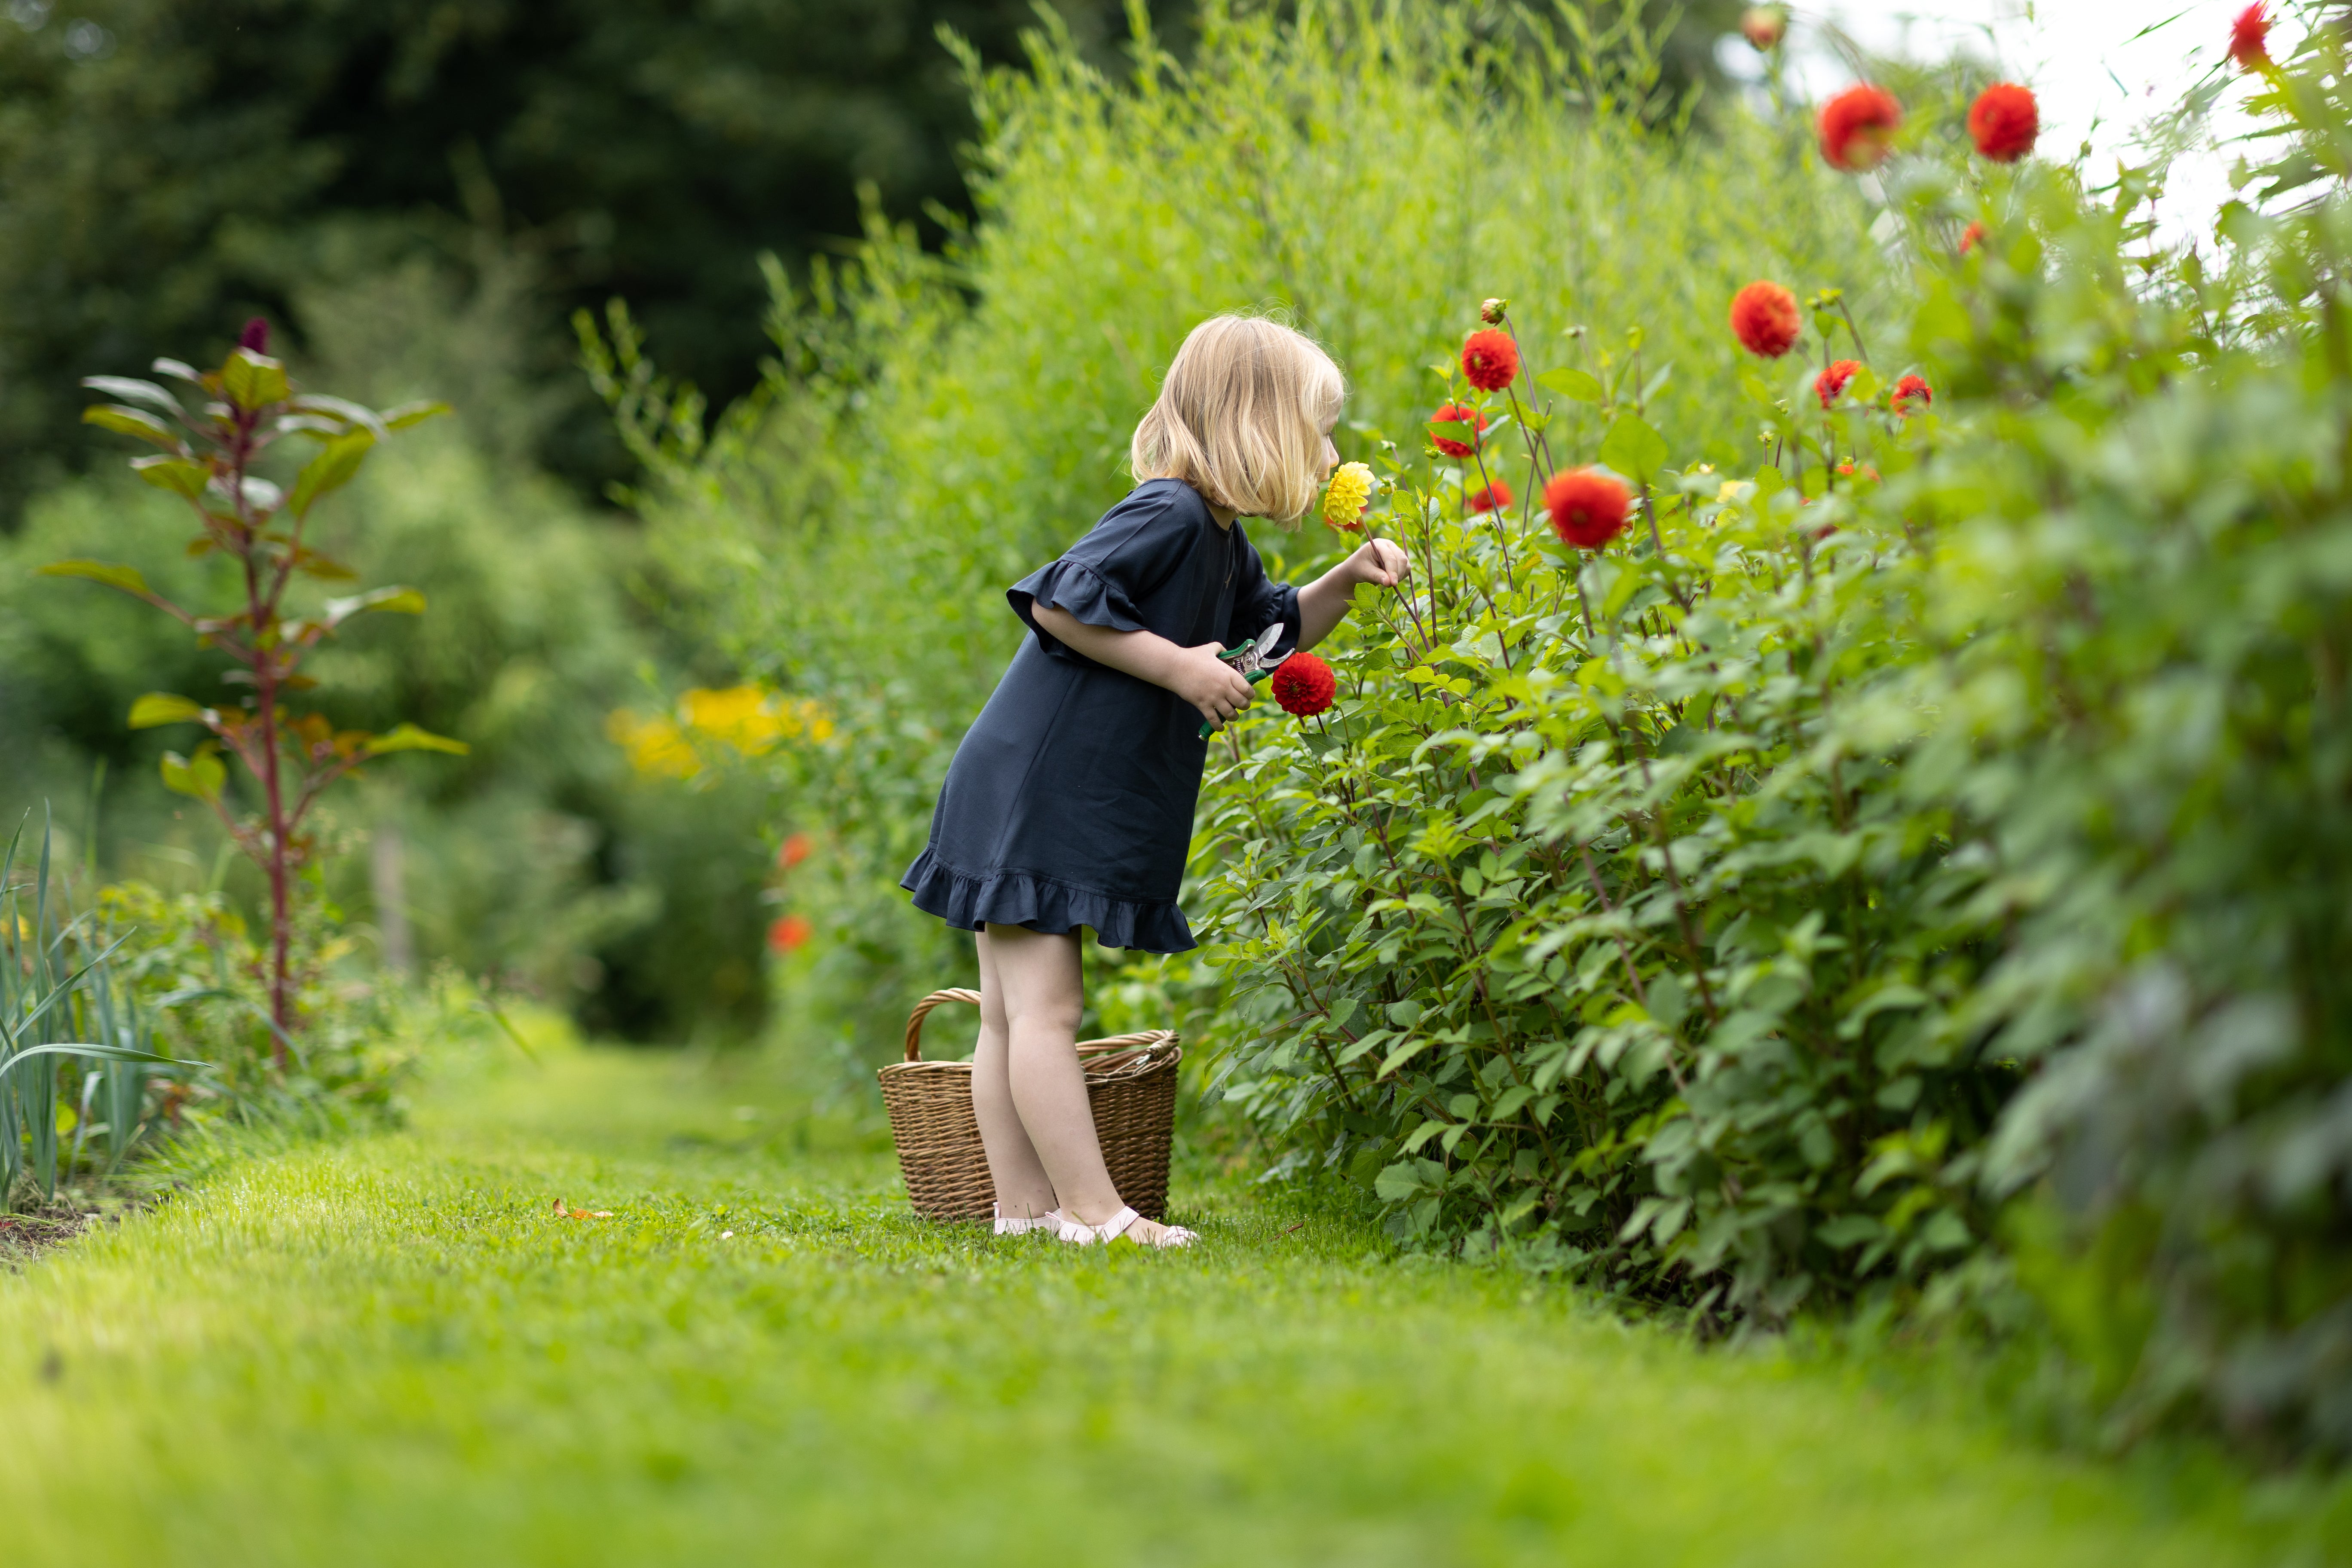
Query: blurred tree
(168,165)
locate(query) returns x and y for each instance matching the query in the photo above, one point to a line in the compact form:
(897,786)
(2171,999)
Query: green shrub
(1755,943)
(933,429)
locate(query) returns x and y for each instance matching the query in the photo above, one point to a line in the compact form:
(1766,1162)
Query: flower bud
(255,336)
(1763,26)
(1491,313)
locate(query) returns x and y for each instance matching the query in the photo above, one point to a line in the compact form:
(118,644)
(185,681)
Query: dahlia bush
(1750,888)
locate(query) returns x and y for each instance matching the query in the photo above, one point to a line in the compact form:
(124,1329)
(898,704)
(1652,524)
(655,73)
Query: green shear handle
(1251,662)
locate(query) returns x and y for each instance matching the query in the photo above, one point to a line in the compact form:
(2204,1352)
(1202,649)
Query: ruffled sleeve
(1259,603)
(1103,578)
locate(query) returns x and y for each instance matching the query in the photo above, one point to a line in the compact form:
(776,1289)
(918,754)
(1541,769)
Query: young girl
(1070,802)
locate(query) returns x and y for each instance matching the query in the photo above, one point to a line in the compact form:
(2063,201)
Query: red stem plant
(208,459)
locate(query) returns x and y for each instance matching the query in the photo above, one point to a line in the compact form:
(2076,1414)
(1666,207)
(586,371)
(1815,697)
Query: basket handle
(923,1010)
(1143,1038)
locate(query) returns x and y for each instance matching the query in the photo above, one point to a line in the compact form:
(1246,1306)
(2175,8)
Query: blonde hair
(1241,416)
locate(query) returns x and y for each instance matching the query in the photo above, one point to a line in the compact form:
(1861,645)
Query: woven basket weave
(1131,1082)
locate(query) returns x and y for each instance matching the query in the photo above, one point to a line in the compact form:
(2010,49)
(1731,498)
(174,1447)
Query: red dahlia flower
(1495,496)
(1866,470)
(2003,121)
(1908,391)
(1588,507)
(1490,360)
(793,850)
(2250,38)
(1457,414)
(1764,318)
(1857,127)
(790,933)
(1304,684)
(1970,236)
(1831,381)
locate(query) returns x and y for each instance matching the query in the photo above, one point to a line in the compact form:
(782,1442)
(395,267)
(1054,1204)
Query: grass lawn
(390,1351)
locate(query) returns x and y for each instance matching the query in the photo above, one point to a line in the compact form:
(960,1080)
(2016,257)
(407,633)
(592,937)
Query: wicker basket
(1131,1081)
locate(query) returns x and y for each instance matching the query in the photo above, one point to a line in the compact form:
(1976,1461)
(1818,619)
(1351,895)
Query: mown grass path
(392,1352)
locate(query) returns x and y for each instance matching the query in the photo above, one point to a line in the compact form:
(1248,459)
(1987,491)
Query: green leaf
(1668,1001)
(202,776)
(126,578)
(409,413)
(1580,385)
(164,708)
(104,1053)
(314,425)
(1633,448)
(409,738)
(129,389)
(1849,1230)
(392,601)
(343,409)
(1770,482)
(1454,430)
(1399,1183)
(332,469)
(254,381)
(1422,1134)
(131,422)
(181,475)
(312,563)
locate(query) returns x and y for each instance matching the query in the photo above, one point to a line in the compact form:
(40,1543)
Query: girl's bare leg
(1023,1191)
(1043,992)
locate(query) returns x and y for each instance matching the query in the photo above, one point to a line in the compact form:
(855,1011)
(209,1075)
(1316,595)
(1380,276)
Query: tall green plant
(212,458)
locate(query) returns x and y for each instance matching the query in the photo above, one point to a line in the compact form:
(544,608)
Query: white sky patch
(2100,68)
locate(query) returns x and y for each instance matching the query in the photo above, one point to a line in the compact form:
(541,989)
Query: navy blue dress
(1070,800)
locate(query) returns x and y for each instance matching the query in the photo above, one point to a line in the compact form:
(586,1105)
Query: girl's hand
(1379,563)
(1208,683)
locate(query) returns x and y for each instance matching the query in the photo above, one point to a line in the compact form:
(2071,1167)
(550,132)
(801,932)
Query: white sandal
(1016,1225)
(1080,1234)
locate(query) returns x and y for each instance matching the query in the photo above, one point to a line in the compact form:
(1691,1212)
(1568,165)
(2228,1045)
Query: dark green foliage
(173,164)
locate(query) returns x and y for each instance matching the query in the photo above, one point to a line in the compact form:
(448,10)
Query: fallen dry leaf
(563,1211)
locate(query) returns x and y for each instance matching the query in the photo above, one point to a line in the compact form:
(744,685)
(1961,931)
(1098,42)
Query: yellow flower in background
(748,720)
(1350,492)
(657,747)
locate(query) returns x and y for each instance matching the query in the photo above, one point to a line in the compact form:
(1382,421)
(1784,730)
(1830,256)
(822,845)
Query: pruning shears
(1253,661)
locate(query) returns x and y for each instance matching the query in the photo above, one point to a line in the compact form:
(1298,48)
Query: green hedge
(1745,914)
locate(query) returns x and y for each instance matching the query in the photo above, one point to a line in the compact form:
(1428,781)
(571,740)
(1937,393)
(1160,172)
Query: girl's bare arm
(1323,602)
(1195,674)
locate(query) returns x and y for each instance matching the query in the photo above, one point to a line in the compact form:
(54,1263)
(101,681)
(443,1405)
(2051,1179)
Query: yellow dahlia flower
(1350,492)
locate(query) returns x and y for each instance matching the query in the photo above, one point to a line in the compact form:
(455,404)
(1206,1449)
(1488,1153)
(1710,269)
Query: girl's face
(1330,454)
